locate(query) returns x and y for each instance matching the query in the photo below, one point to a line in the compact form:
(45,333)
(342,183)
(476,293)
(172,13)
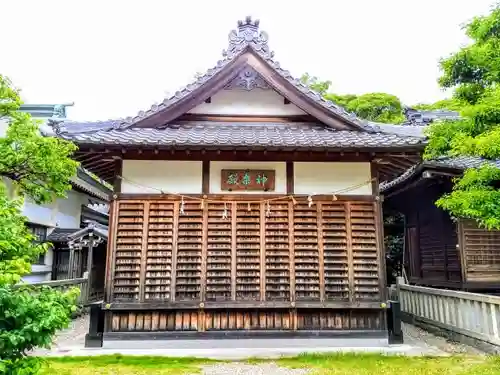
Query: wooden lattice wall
(241,255)
(241,251)
(480,252)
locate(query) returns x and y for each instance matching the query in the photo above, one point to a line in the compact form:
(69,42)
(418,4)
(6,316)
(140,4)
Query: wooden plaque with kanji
(256,180)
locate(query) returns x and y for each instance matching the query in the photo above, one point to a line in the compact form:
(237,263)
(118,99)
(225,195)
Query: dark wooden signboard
(247,179)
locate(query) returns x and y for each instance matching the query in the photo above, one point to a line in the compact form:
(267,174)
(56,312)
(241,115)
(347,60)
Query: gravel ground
(418,337)
(71,337)
(244,369)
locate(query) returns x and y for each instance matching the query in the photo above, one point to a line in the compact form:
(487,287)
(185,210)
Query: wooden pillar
(205,179)
(90,254)
(71,261)
(289,178)
(379,226)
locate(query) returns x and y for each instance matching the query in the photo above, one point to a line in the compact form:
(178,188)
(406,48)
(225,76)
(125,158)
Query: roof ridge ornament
(248,34)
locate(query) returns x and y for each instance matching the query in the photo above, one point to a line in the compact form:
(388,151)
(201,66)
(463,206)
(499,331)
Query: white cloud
(113,58)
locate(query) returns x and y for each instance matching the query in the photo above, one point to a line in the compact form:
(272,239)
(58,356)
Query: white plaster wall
(241,102)
(69,210)
(170,176)
(63,212)
(325,178)
(217,166)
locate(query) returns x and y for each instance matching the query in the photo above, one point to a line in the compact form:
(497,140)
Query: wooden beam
(245,118)
(241,154)
(87,157)
(94,163)
(244,197)
(103,167)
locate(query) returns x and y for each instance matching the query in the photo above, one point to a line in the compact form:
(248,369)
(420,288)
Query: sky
(115,58)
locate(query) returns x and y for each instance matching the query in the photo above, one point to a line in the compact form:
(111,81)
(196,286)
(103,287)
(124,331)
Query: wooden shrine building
(244,203)
(441,251)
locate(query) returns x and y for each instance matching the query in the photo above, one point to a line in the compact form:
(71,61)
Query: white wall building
(64,213)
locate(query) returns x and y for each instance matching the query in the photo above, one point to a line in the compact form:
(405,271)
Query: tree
(40,168)
(377,107)
(474,74)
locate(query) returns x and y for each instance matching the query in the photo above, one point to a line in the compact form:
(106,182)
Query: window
(40,233)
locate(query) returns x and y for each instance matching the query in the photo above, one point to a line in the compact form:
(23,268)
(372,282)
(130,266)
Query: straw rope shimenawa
(263,200)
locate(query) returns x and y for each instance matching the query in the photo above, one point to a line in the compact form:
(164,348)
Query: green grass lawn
(376,364)
(121,365)
(336,364)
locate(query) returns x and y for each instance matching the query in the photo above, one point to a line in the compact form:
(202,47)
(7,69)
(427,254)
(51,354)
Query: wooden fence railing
(63,285)
(469,314)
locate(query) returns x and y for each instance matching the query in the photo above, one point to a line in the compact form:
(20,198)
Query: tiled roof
(246,36)
(417,117)
(84,181)
(61,234)
(458,162)
(307,135)
(70,234)
(138,131)
(45,111)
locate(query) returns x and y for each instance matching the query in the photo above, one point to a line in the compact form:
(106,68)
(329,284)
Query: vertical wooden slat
(293,319)
(201,320)
(175,233)
(233,251)
(144,251)
(321,258)
(350,260)
(291,250)
(131,321)
(155,321)
(116,323)
(204,249)
(147,321)
(262,251)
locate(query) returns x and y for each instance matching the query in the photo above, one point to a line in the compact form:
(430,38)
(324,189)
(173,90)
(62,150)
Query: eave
(445,166)
(390,162)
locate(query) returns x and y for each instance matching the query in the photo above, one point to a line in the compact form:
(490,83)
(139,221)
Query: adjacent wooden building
(244,203)
(441,251)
